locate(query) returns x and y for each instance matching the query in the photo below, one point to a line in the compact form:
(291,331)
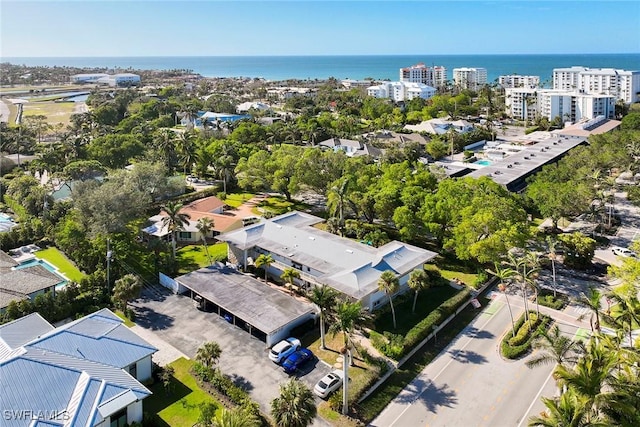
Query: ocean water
(342,67)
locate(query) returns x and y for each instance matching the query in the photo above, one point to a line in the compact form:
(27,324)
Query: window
(185,235)
(119,419)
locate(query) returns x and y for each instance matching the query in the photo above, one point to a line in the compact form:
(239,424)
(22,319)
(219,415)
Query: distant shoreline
(321,67)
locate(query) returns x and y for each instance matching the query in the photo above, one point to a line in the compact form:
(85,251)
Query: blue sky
(166,28)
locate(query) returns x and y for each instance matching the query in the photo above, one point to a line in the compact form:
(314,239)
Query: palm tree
(569,410)
(418,281)
(238,417)
(264,261)
(325,298)
(532,263)
(165,144)
(174,221)
(295,407)
(348,317)
(204,226)
(592,301)
(389,284)
(336,201)
(504,275)
(208,354)
(125,289)
(551,249)
(186,148)
(556,348)
(289,275)
(627,312)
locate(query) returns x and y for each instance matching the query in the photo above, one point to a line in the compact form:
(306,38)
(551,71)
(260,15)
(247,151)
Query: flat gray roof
(245,297)
(518,166)
(351,267)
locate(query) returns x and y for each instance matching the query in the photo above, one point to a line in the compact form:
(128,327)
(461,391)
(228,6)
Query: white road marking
(535,399)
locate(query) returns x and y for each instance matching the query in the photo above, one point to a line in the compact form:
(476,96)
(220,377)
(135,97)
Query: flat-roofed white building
(521,103)
(320,257)
(469,78)
(401,91)
(624,85)
(350,84)
(88,77)
(435,76)
(518,81)
(574,106)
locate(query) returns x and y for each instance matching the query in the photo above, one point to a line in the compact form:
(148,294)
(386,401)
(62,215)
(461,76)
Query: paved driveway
(174,319)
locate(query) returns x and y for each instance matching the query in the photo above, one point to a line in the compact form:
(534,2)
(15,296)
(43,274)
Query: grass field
(236,199)
(56,258)
(178,407)
(278,206)
(192,257)
(56,112)
(128,323)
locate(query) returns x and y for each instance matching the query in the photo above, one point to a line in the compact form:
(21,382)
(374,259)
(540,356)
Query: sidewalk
(166,352)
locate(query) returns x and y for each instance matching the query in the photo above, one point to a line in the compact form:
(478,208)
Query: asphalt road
(469,384)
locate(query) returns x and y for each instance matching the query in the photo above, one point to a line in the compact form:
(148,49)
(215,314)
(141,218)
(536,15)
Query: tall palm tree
(336,200)
(325,298)
(348,317)
(418,281)
(264,261)
(627,312)
(164,142)
(295,407)
(504,275)
(125,289)
(592,300)
(186,148)
(204,226)
(289,275)
(174,221)
(555,348)
(208,354)
(238,417)
(551,250)
(389,284)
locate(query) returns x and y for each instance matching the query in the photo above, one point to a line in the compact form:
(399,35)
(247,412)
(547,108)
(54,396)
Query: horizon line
(3,57)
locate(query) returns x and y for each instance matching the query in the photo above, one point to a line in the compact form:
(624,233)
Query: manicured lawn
(193,257)
(56,112)
(179,407)
(61,262)
(452,268)
(278,206)
(375,403)
(128,323)
(236,199)
(428,301)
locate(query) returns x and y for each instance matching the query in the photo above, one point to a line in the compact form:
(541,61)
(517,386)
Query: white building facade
(521,103)
(624,85)
(401,91)
(435,76)
(470,78)
(574,106)
(517,81)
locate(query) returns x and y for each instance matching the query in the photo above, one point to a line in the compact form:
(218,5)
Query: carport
(262,311)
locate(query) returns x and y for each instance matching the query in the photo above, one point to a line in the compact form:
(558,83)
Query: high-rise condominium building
(435,76)
(470,78)
(515,80)
(623,85)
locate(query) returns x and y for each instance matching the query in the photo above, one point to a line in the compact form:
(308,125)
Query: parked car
(284,349)
(623,252)
(329,383)
(296,360)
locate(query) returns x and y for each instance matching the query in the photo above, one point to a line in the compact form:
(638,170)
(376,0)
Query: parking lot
(174,319)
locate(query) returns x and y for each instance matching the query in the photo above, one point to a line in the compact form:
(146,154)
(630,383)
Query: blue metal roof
(21,331)
(44,381)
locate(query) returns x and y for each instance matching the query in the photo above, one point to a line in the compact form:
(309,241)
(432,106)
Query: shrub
(557,303)
(481,279)
(514,347)
(531,129)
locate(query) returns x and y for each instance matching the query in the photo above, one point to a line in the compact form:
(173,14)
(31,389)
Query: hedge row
(396,346)
(221,383)
(514,347)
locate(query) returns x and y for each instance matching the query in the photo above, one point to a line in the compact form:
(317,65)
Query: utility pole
(109,254)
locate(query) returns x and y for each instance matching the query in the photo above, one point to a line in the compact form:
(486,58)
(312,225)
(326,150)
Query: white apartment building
(624,85)
(518,81)
(435,76)
(573,106)
(401,91)
(570,106)
(470,78)
(521,102)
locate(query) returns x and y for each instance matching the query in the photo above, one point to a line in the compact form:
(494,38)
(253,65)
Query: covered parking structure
(262,311)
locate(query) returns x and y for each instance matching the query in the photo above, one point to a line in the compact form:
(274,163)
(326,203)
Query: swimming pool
(5,218)
(483,162)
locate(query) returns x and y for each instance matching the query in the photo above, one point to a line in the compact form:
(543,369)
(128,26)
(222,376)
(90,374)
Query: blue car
(296,360)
